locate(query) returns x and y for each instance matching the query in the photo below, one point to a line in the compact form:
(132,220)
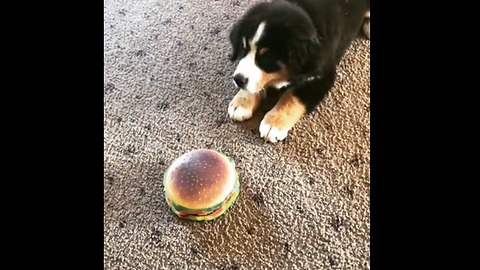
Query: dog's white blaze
(247,66)
(249,70)
(258,34)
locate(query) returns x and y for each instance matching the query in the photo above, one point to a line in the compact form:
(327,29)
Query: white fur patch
(279,85)
(309,79)
(247,67)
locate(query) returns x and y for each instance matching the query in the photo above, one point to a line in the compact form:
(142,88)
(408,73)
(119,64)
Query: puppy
(293,46)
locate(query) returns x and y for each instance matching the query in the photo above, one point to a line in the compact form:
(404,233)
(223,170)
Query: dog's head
(272,42)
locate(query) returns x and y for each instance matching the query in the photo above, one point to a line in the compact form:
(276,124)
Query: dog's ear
(303,54)
(235,41)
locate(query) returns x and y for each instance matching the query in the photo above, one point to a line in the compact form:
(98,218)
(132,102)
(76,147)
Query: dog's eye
(262,51)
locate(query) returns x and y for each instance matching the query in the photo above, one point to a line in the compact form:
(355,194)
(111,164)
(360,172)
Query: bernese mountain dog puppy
(293,46)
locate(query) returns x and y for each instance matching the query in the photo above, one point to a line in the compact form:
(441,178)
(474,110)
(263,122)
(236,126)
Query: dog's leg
(243,105)
(278,121)
(366,25)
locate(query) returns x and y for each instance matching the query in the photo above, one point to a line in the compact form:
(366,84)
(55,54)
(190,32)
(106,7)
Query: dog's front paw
(274,127)
(278,121)
(243,105)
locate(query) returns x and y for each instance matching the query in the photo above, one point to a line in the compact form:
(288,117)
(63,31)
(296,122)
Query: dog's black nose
(240,80)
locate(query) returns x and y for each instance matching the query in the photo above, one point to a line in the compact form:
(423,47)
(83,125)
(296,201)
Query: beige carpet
(304,203)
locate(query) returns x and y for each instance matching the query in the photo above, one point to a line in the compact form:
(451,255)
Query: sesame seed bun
(200,182)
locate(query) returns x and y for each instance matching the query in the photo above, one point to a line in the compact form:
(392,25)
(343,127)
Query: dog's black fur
(308,36)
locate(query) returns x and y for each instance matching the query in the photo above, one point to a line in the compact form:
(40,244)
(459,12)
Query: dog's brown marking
(286,112)
(269,78)
(262,51)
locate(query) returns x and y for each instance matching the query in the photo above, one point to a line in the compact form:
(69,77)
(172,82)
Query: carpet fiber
(304,203)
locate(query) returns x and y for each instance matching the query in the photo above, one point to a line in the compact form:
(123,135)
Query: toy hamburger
(201,185)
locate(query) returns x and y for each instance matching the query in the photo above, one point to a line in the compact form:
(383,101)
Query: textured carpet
(304,203)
